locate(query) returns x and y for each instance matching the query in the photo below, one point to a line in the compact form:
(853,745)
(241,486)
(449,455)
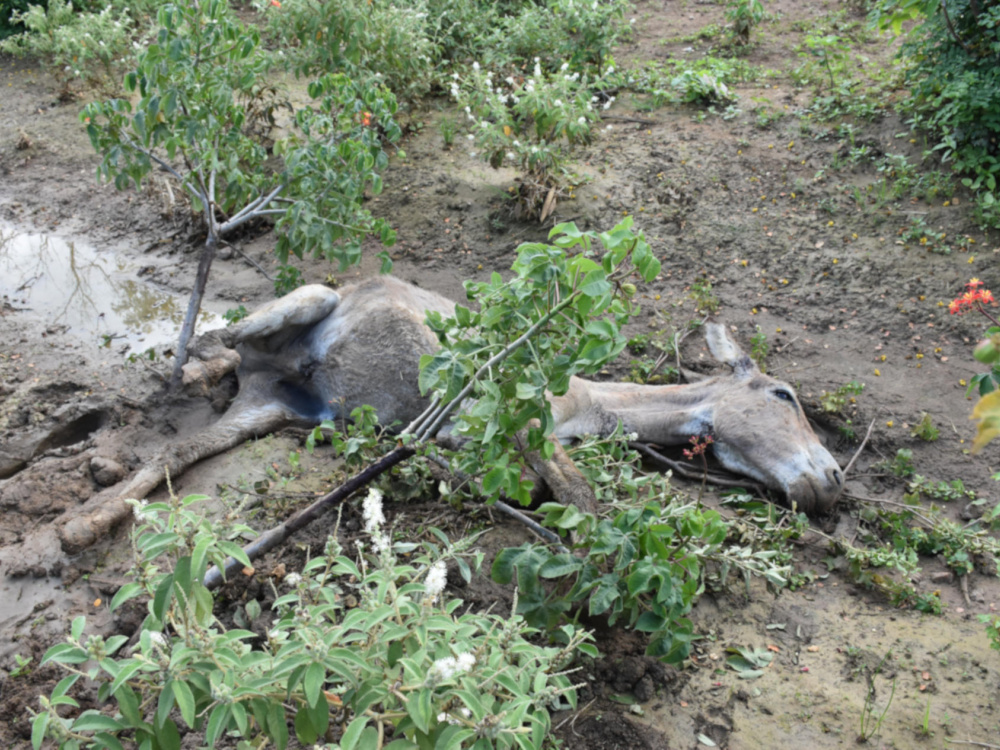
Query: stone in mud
(106,471)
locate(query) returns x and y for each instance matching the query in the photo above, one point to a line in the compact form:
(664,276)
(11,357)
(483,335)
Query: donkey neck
(664,414)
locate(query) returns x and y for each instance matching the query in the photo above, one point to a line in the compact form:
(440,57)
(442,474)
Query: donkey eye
(785,396)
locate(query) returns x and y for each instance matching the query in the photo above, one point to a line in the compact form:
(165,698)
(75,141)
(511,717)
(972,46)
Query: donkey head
(760,430)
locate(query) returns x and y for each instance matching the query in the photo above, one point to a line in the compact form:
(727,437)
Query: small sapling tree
(190,121)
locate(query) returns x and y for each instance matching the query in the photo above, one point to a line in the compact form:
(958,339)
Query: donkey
(317,354)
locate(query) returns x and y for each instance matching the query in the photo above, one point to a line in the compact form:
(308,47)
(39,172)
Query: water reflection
(94,295)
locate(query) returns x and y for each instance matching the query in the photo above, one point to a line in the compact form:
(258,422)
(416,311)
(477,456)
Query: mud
(838,293)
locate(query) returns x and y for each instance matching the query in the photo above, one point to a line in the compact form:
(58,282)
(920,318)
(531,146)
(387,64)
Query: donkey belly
(368,352)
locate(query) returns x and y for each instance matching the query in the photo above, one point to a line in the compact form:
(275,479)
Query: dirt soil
(831,283)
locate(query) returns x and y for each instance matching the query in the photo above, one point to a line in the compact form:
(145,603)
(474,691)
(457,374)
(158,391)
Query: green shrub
(953,76)
(383,43)
(405,657)
(92,47)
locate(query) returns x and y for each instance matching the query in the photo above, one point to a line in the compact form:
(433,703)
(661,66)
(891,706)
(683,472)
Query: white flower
(380,542)
(468,110)
(608,127)
(471,137)
(557,103)
(449,667)
(371,511)
(534,149)
(582,120)
(631,20)
(509,80)
(609,102)
(158,638)
(293,579)
(611,69)
(455,76)
(517,144)
(510,155)
(437,578)
(475,66)
(538,70)
(502,98)
(564,67)
(529,88)
(471,117)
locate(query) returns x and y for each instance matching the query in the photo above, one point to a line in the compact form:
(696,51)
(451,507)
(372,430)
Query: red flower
(366,119)
(275,3)
(973,297)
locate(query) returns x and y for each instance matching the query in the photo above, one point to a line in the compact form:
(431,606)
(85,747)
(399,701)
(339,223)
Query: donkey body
(318,353)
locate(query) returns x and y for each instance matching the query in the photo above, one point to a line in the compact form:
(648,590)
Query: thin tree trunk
(194,307)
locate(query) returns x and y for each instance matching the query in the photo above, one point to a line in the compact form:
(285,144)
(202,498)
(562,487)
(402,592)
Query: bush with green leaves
(644,566)
(371,635)
(530,124)
(743,17)
(373,43)
(706,81)
(195,85)
(558,317)
(953,78)
(91,47)
(579,32)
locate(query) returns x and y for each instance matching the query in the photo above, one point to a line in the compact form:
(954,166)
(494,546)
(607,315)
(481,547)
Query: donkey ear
(727,351)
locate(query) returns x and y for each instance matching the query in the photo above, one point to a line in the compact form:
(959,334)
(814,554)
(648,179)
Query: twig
(972,742)
(963,582)
(850,464)
(248,259)
(639,120)
(275,536)
(574,716)
(686,472)
(910,508)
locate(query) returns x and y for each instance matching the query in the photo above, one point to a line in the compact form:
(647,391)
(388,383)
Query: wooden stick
(850,464)
(275,536)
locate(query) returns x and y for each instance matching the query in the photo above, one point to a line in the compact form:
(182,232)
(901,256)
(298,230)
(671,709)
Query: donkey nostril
(838,477)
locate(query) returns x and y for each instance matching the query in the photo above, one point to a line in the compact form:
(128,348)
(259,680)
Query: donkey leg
(568,485)
(213,354)
(97,518)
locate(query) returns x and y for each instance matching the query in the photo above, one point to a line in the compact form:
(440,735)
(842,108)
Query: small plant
(22,666)
(234,315)
(992,623)
(705,301)
(447,128)
(743,17)
(525,122)
(759,348)
(833,402)
(920,234)
(871,718)
(925,429)
(901,464)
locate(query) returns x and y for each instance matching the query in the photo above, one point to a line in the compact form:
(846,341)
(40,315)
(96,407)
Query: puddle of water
(95,295)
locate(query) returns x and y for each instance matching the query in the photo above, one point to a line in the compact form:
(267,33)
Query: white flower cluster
(450,667)
(437,578)
(371,511)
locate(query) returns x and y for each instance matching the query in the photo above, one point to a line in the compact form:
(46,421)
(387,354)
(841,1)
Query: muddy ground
(837,292)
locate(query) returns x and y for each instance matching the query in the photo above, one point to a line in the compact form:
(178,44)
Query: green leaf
(419,708)
(218,722)
(353,732)
(38,726)
(312,682)
(185,702)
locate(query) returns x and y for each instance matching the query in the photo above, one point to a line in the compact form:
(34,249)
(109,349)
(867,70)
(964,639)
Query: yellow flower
(877,373)
(889,423)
